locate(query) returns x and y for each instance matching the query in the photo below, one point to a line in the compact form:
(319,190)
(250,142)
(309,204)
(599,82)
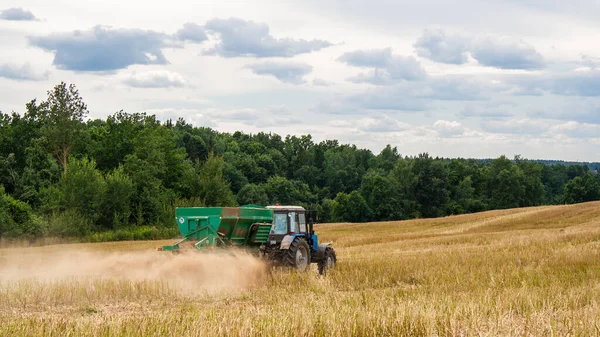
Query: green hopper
(210,227)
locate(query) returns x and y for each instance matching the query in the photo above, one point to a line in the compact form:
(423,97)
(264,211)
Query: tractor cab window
(302,222)
(280,223)
(292,216)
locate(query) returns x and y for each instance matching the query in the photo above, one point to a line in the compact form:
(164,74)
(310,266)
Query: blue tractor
(282,235)
(292,241)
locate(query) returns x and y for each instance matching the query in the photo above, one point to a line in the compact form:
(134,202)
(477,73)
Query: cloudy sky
(455,79)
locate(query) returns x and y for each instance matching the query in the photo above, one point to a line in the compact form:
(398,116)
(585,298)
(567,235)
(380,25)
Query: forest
(65,175)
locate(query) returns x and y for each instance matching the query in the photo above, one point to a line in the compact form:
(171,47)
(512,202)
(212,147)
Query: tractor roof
(286,208)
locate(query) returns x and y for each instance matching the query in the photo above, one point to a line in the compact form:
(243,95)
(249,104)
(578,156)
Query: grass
(522,272)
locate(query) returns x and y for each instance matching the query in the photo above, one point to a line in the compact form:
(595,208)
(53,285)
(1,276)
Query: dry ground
(523,272)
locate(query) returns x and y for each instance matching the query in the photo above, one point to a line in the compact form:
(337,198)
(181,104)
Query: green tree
(464,200)
(151,198)
(82,188)
(350,208)
(17,220)
(554,179)
(252,194)
(40,172)
(296,151)
(267,165)
(531,180)
(248,166)
(343,169)
(582,189)
(386,159)
(114,139)
(281,190)
(213,189)
(235,177)
(503,183)
(325,211)
(382,196)
(116,203)
(308,174)
(62,115)
(195,147)
(405,182)
(574,171)
(157,146)
(430,189)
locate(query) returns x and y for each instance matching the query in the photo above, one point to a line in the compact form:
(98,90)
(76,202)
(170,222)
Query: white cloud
(516,126)
(155,79)
(436,45)
(288,72)
(489,50)
(17,14)
(371,58)
(506,53)
(321,82)
(590,62)
(245,114)
(239,37)
(381,124)
(492,109)
(563,83)
(448,128)
(387,68)
(103,48)
(191,32)
(22,72)
(583,111)
(577,130)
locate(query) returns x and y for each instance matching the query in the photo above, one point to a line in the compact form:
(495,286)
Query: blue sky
(461,79)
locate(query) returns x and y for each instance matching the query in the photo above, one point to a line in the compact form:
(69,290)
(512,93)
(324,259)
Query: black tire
(328,261)
(298,255)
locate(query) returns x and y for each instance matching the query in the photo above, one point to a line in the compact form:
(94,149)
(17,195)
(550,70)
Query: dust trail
(192,272)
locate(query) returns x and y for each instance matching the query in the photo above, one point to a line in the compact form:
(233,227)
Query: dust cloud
(190,272)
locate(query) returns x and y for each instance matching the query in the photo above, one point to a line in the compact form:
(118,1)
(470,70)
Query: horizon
(485,80)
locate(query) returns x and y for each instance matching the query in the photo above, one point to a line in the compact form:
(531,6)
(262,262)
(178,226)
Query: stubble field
(523,272)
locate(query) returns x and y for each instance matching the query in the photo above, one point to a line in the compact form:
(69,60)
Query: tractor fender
(287,241)
(321,250)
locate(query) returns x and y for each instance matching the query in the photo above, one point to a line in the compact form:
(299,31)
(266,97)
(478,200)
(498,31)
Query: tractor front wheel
(298,255)
(328,260)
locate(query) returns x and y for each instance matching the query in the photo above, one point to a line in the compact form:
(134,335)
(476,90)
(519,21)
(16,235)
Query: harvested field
(526,272)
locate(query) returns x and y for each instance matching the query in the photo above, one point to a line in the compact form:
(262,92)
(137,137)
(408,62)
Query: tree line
(64,175)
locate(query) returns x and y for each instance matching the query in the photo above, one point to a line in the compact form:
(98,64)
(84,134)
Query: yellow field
(524,272)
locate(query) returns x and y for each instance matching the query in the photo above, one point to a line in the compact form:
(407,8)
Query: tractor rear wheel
(328,260)
(298,255)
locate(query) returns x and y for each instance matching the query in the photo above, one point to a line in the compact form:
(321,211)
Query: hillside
(529,271)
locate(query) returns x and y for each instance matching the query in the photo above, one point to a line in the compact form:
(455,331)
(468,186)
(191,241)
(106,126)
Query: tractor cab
(289,223)
(288,220)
